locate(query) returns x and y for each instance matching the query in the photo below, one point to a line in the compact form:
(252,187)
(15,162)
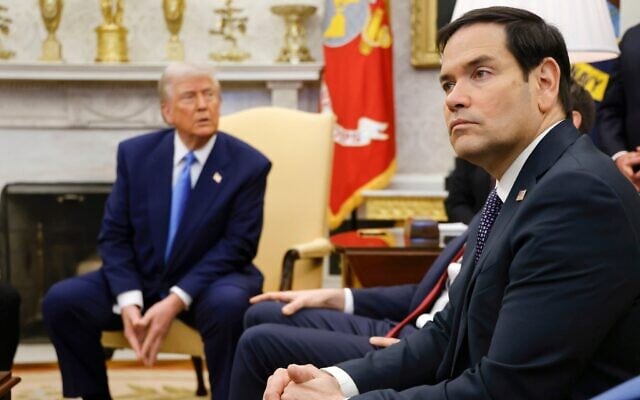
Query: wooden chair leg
(197,365)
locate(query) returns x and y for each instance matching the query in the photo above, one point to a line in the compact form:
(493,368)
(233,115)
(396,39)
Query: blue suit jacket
(218,233)
(552,308)
(396,302)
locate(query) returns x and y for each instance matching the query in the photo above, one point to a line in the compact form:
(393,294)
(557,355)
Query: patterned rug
(169,380)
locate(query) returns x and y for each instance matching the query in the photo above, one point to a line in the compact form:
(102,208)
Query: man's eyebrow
(482,59)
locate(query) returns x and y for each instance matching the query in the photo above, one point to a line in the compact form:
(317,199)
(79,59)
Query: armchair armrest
(316,248)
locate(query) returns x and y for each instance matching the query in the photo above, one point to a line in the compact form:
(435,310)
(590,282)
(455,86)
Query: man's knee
(263,312)
(57,301)
(258,339)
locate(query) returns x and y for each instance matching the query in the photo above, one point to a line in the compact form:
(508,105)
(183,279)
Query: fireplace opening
(48,232)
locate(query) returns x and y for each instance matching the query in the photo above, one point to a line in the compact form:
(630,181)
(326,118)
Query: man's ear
(548,84)
(576,118)
(166,113)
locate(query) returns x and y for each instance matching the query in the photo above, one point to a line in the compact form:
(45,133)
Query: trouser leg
(317,336)
(75,312)
(218,315)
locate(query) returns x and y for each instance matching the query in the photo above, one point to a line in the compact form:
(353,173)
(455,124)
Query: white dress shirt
(503,187)
(179,152)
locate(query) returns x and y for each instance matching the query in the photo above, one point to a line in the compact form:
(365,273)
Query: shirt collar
(180,150)
(504,185)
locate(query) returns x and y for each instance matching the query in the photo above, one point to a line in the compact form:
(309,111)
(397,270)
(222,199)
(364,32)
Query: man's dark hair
(582,102)
(529,38)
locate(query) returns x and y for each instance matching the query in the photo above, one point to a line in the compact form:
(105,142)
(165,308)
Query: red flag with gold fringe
(358,90)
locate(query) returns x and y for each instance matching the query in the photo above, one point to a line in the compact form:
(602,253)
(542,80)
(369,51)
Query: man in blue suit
(327,326)
(180,231)
(547,305)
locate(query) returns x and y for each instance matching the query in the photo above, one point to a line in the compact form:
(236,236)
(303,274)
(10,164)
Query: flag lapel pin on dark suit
(521,195)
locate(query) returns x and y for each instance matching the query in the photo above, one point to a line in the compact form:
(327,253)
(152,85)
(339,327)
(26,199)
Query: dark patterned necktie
(490,212)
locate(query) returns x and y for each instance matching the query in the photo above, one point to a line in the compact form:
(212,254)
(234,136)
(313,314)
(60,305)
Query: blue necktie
(490,212)
(179,198)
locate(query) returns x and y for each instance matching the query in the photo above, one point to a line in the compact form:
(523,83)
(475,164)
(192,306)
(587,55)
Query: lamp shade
(585,24)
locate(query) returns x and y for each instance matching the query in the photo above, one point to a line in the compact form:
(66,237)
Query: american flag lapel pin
(217,178)
(521,195)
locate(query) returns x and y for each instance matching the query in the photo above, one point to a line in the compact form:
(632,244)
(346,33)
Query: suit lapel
(550,148)
(541,159)
(203,195)
(160,172)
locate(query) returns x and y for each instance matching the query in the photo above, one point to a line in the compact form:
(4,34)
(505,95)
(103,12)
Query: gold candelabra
(173,14)
(228,26)
(5,22)
(51,12)
(295,48)
(112,36)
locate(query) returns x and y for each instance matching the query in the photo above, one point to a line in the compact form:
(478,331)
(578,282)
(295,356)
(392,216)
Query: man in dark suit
(327,326)
(10,319)
(179,234)
(618,116)
(469,185)
(546,305)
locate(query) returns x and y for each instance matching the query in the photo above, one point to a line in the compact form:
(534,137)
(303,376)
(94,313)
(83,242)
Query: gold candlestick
(112,36)
(4,29)
(295,48)
(173,13)
(51,12)
(228,25)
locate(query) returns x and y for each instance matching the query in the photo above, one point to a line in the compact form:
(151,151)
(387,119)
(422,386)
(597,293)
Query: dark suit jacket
(396,302)
(552,308)
(218,233)
(468,186)
(618,116)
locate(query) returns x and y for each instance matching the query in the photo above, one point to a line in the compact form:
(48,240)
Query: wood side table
(7,381)
(380,258)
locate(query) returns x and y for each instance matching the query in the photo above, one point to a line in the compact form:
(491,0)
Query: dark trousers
(76,310)
(317,336)
(10,321)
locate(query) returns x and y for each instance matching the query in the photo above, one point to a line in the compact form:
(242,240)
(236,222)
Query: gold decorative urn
(295,48)
(112,36)
(173,14)
(51,12)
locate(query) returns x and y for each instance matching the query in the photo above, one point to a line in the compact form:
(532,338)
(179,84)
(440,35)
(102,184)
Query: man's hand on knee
(132,330)
(156,323)
(296,300)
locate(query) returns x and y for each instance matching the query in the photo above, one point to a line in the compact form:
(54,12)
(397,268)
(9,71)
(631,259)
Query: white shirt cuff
(131,297)
(184,296)
(348,301)
(347,385)
(618,154)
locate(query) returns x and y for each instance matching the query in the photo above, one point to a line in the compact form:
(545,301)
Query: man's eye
(481,73)
(447,86)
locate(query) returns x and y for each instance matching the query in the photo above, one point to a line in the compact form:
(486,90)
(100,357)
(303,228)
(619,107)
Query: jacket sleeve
(386,302)
(115,241)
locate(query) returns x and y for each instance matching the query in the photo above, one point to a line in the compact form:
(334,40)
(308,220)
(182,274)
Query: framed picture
(427,16)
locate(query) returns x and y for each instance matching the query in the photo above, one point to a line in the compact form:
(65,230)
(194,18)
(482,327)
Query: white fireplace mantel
(150,72)
(121,96)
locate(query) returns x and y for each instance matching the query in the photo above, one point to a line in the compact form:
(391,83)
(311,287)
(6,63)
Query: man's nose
(457,97)
(201,101)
